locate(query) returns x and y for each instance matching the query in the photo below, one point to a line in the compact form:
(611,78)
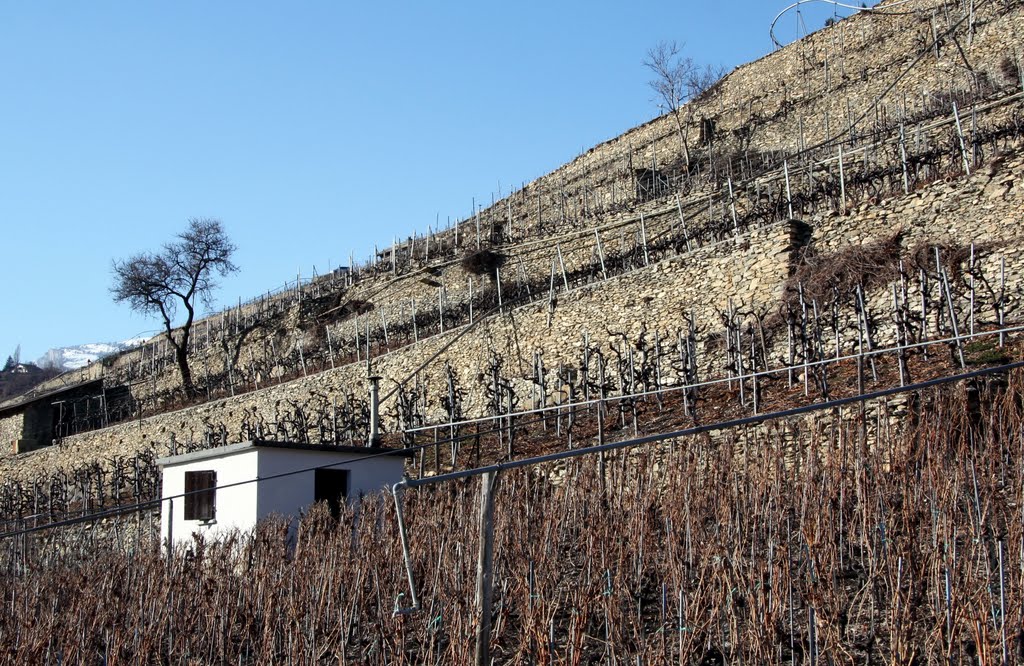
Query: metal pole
(374,439)
(170,529)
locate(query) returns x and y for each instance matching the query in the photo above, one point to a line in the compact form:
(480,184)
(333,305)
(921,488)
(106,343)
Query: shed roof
(17,403)
(231,449)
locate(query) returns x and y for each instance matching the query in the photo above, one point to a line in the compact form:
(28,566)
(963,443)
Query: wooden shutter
(201,495)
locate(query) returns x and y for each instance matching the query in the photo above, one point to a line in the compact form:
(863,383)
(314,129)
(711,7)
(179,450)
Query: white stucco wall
(236,507)
(290,494)
(239,507)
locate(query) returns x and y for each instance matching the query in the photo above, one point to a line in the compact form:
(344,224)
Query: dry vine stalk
(720,549)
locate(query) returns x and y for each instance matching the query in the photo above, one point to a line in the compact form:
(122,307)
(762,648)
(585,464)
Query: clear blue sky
(311,129)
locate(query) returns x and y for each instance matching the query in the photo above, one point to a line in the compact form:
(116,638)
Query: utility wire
(562,455)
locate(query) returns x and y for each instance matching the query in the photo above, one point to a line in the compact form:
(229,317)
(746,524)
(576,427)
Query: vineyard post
(484,570)
(682,223)
(732,209)
(374,439)
(1002,299)
(511,426)
(330,345)
(170,529)
(952,316)
(789,194)
(561,264)
(960,137)
(600,436)
(497,284)
(643,239)
(971,274)
(842,183)
(384,325)
(440,306)
(600,254)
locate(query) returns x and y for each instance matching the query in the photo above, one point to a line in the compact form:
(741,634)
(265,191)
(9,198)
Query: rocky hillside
(883,150)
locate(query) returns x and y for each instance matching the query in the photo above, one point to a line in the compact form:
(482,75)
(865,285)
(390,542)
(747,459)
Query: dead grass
(822,276)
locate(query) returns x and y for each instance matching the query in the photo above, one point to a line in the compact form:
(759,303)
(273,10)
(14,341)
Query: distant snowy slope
(79,356)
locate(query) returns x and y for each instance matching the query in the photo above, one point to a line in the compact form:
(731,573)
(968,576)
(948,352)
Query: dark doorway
(331,486)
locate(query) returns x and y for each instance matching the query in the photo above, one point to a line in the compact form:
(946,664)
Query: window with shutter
(200,495)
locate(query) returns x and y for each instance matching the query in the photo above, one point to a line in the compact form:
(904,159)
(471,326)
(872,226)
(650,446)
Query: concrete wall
(287,495)
(240,507)
(236,507)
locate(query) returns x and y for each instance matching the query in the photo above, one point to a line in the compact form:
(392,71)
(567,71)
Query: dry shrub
(355,307)
(482,262)
(1009,70)
(868,265)
(954,257)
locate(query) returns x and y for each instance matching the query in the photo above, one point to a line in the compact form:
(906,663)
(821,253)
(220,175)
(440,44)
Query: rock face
(861,130)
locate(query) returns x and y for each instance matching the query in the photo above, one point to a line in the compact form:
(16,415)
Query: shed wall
(236,507)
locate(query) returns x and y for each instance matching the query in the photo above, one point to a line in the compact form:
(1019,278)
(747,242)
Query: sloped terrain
(841,216)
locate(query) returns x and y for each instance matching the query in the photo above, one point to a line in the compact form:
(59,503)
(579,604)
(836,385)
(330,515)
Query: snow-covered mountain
(78,356)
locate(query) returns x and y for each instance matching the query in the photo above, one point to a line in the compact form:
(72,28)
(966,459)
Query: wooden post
(1002,300)
(600,254)
(355,327)
(476,214)
(561,264)
(551,293)
(842,183)
(170,529)
(960,136)
(384,323)
(903,158)
(682,223)
(643,239)
(952,317)
(522,278)
(732,208)
(484,569)
(972,289)
(367,330)
(789,194)
(440,306)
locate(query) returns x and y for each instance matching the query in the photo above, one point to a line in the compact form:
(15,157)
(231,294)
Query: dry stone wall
(863,77)
(747,270)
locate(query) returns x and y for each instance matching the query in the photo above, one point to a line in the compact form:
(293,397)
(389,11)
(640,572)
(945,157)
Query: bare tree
(678,80)
(180,273)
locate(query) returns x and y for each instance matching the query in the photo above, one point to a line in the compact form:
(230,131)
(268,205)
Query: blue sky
(311,129)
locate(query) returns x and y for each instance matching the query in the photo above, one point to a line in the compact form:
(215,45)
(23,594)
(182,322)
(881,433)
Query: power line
(561,455)
(696,430)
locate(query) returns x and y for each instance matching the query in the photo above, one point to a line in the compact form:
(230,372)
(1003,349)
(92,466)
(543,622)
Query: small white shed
(218,500)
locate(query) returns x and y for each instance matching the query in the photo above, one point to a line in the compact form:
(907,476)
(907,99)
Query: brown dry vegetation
(906,547)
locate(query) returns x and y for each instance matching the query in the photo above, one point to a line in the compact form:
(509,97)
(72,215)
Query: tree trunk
(181,356)
(682,139)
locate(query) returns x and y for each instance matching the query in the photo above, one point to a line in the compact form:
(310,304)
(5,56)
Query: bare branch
(181,272)
(677,79)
